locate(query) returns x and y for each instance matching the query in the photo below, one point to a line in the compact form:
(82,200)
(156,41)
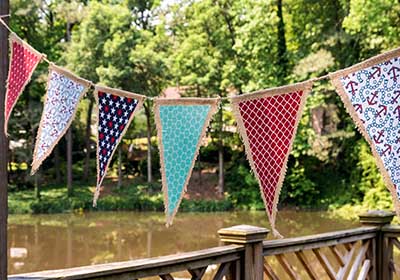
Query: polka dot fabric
(267,123)
(23,62)
(180,128)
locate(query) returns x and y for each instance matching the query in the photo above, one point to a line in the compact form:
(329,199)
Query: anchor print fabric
(267,122)
(23,62)
(64,91)
(116,109)
(371,93)
(181,124)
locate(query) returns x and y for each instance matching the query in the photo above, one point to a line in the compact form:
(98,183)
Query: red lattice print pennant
(267,121)
(23,61)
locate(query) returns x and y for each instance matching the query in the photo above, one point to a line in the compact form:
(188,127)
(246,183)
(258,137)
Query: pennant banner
(267,122)
(116,109)
(371,93)
(64,91)
(181,124)
(23,61)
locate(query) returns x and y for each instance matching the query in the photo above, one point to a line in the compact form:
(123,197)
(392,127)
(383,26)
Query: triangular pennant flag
(23,61)
(370,92)
(64,91)
(181,124)
(116,109)
(267,122)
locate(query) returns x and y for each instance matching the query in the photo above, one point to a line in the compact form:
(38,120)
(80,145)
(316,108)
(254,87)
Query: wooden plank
(342,273)
(4,10)
(287,267)
(338,256)
(144,267)
(385,254)
(306,264)
(166,277)
(234,271)
(269,271)
(364,270)
(325,264)
(396,242)
(357,262)
(222,270)
(197,273)
(371,255)
(292,247)
(396,269)
(347,246)
(395,229)
(320,237)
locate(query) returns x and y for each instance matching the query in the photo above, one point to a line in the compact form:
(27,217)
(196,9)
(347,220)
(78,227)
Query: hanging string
(45,59)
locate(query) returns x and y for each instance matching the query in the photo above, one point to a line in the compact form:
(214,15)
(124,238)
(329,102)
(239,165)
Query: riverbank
(54,199)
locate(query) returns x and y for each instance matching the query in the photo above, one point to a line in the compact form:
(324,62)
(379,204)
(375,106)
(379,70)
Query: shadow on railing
(361,253)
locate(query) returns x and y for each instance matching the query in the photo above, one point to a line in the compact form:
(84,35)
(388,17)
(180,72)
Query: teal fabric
(181,131)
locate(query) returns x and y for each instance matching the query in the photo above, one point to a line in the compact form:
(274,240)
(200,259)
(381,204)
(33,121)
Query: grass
(54,199)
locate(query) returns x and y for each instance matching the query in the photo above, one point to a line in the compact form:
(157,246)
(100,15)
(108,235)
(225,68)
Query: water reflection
(42,242)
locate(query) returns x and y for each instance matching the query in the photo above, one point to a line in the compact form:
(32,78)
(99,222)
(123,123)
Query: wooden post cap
(376,218)
(243,234)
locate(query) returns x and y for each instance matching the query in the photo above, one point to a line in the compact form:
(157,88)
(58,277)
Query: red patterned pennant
(267,121)
(116,109)
(23,62)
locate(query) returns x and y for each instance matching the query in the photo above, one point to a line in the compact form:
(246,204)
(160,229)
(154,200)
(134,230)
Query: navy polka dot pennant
(116,109)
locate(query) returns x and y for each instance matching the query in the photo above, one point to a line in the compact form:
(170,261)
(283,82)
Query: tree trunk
(149,157)
(119,166)
(57,164)
(4,9)
(221,173)
(69,134)
(282,58)
(69,161)
(37,186)
(87,144)
(199,158)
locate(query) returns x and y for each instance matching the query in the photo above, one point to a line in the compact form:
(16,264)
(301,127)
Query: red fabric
(23,63)
(270,124)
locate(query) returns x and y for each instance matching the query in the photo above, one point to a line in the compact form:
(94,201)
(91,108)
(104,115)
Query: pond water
(43,242)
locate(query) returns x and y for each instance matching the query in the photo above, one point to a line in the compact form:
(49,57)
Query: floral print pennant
(64,91)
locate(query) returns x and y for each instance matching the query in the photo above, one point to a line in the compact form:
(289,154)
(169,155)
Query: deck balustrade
(367,252)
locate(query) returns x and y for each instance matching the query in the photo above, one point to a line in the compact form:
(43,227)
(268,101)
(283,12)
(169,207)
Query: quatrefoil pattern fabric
(267,122)
(371,93)
(64,91)
(116,109)
(181,126)
(23,62)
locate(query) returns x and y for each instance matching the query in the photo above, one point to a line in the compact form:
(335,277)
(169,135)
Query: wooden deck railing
(366,252)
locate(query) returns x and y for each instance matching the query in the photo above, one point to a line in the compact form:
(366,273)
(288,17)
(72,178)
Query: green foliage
(207,48)
(144,197)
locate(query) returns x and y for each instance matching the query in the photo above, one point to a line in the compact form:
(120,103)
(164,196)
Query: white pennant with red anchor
(371,93)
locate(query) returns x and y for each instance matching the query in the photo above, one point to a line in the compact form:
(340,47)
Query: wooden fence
(366,252)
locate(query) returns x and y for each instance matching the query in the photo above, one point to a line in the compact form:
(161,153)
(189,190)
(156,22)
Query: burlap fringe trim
(306,88)
(213,102)
(36,162)
(14,38)
(335,78)
(140,99)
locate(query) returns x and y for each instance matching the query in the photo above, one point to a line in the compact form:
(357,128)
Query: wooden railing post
(251,237)
(380,250)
